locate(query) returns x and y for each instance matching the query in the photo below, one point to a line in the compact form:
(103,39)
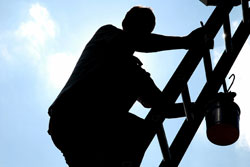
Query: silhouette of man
(90,120)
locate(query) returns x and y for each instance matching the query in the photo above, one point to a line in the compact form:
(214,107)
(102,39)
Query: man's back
(106,77)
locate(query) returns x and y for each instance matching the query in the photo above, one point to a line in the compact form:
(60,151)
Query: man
(90,121)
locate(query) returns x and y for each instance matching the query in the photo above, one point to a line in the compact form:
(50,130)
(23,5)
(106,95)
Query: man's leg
(135,139)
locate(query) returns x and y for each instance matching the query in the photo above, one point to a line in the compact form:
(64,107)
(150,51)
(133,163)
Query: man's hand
(145,102)
(199,38)
(196,37)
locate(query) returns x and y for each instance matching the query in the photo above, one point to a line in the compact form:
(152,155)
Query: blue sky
(40,42)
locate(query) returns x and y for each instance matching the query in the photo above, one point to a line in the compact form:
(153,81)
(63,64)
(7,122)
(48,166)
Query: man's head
(139,20)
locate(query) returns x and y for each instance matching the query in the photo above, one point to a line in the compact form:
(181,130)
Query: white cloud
(35,34)
(37,30)
(4,53)
(241,87)
(40,28)
(59,67)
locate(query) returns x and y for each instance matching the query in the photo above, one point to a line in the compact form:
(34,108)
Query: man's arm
(156,42)
(148,94)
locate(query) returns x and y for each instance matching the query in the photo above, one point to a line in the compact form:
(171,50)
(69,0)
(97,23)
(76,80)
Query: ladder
(177,85)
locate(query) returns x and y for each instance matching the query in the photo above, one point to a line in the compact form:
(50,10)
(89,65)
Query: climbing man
(90,121)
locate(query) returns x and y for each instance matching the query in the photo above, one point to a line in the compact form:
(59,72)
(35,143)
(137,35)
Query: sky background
(40,42)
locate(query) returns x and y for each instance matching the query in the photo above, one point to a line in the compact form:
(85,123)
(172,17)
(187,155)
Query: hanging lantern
(222,119)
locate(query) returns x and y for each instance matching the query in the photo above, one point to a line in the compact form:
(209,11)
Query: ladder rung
(164,144)
(227,32)
(186,103)
(207,64)
(176,110)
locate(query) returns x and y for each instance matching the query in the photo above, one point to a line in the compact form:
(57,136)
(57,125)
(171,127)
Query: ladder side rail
(189,129)
(245,10)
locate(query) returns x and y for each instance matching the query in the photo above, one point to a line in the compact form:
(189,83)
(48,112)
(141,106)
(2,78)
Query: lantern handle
(233,75)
